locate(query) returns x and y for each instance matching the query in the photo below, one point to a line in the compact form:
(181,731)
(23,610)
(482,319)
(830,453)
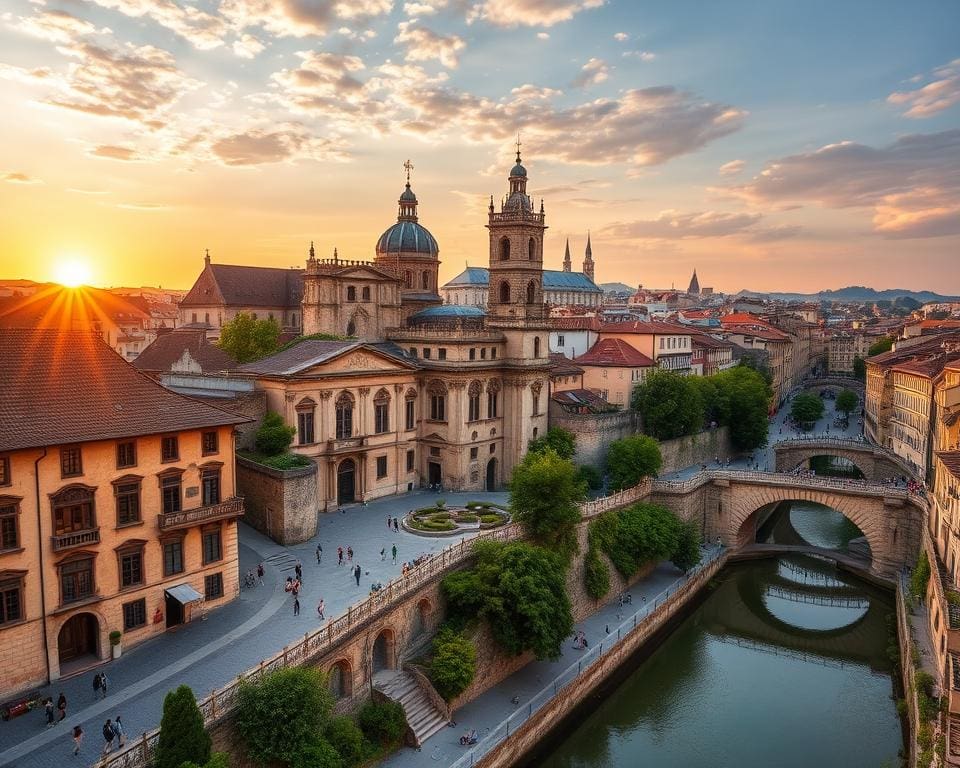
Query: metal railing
(184,519)
(75,539)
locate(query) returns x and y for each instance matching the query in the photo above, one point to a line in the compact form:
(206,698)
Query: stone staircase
(423,718)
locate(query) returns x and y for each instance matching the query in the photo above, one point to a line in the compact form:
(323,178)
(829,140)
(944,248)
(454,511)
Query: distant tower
(694,289)
(206,257)
(588,259)
(566,258)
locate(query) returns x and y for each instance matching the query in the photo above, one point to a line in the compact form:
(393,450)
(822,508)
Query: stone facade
(281,504)
(594,432)
(701,448)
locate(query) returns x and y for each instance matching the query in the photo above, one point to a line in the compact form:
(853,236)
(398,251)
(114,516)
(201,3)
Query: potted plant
(115,643)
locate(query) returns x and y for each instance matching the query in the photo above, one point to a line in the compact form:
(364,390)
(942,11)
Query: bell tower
(516,255)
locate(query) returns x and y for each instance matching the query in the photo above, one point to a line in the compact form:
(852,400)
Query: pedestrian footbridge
(874,462)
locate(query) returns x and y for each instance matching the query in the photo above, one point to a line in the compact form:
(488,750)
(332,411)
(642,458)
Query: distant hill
(856,293)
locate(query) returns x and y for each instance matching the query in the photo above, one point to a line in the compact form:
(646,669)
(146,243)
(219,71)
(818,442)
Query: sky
(771,145)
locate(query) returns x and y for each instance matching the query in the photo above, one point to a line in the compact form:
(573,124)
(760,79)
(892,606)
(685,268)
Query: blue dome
(518,170)
(407,237)
(407,195)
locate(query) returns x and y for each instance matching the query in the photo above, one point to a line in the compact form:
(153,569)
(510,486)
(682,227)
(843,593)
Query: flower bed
(440,520)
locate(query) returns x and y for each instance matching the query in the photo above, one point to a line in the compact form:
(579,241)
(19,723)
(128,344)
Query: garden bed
(441,520)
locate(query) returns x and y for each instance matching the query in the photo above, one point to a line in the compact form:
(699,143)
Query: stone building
(560,288)
(117,506)
(669,346)
(843,349)
(612,368)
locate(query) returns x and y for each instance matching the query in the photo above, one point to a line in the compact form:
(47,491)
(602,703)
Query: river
(782,664)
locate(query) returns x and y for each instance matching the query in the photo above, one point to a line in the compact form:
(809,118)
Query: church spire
(566,258)
(694,288)
(408,200)
(588,258)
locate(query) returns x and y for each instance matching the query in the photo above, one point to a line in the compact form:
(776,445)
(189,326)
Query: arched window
(532,249)
(504,249)
(73,510)
(381,412)
(473,404)
(425,281)
(531,292)
(351,293)
(504,292)
(306,410)
(438,400)
(344,407)
(536,346)
(410,409)
(365,293)
(351,328)
(408,278)
(493,398)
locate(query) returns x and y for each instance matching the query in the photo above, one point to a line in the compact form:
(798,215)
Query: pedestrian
(383,553)
(103,685)
(389,522)
(298,569)
(339,556)
(260,574)
(77,739)
(319,553)
(107,737)
(320,608)
(118,732)
(96,686)
(356,574)
(396,525)
(295,589)
(48,710)
(296,606)
(349,554)
(61,707)
(394,551)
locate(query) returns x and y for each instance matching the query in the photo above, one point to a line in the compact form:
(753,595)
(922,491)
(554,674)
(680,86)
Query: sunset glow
(71,272)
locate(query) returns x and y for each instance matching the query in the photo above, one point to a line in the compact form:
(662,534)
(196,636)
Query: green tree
(562,441)
(346,738)
(806,408)
(880,346)
(319,753)
(247,339)
(631,459)
(715,405)
(745,395)
(920,575)
(383,722)
(182,735)
(590,476)
(273,437)
(520,590)
(686,551)
(454,663)
(265,719)
(847,400)
(859,368)
(671,406)
(596,575)
(643,533)
(217,760)
(545,493)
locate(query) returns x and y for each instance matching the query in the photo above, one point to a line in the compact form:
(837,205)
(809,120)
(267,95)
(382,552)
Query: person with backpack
(77,739)
(61,707)
(118,732)
(96,686)
(108,737)
(103,685)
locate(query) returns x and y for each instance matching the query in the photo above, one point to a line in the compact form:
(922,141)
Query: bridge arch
(875,462)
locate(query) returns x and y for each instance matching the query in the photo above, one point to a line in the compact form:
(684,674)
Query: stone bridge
(729,504)
(873,461)
(835,382)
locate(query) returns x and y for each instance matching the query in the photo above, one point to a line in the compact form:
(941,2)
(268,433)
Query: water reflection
(806,522)
(783,664)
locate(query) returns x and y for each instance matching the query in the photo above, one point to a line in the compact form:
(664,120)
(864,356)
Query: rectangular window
(173,557)
(131,569)
(210,442)
(76,580)
(474,453)
(134,614)
(9,526)
(11,600)
(438,408)
(170,494)
(483,353)
(442,353)
(473,354)
(210,487)
(126,455)
(5,478)
(434,451)
(426,353)
(169,448)
(213,586)
(492,402)
(536,405)
(381,418)
(473,408)
(212,548)
(71,462)
(381,467)
(411,413)
(305,427)
(128,503)
(411,460)
(493,353)
(413,351)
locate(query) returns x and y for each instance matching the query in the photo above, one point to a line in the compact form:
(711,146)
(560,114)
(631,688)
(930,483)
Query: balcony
(225,510)
(75,539)
(346,444)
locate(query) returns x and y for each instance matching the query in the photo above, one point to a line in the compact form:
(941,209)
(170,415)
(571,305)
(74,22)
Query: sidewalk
(207,654)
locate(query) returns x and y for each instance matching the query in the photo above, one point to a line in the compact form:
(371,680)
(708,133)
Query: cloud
(17,177)
(247,46)
(674,225)
(594,72)
(260,146)
(56,26)
(913,184)
(543,35)
(361,35)
(80,191)
(203,30)
(642,55)
(531,13)
(621,37)
(934,97)
(423,44)
(423,7)
(732,168)
(148,207)
(114,152)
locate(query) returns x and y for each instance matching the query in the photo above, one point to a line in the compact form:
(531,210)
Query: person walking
(96,686)
(298,569)
(48,710)
(356,574)
(383,553)
(394,551)
(320,609)
(77,739)
(118,732)
(296,606)
(61,707)
(339,556)
(260,574)
(396,525)
(319,552)
(108,737)
(389,522)
(349,554)
(103,685)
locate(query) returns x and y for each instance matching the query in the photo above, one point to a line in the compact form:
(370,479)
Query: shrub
(182,735)
(217,760)
(561,441)
(467,518)
(285,461)
(382,722)
(590,477)
(631,459)
(273,437)
(347,739)
(269,736)
(453,665)
(686,552)
(319,753)
(596,575)
(642,533)
(490,519)
(920,576)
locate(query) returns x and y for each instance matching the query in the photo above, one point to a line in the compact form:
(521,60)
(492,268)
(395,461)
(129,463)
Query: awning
(184,593)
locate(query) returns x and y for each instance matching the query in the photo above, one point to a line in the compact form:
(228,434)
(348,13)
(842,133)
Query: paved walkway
(207,654)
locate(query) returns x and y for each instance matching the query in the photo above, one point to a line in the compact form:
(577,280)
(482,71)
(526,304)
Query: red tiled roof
(169,348)
(61,387)
(645,328)
(951,460)
(575,323)
(563,365)
(614,353)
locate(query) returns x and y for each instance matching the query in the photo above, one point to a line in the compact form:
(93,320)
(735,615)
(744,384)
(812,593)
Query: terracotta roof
(311,352)
(951,460)
(615,353)
(645,328)
(242,286)
(945,324)
(563,365)
(54,306)
(580,400)
(759,330)
(575,323)
(170,347)
(708,342)
(61,387)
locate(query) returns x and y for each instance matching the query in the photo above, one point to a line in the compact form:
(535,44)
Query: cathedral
(421,392)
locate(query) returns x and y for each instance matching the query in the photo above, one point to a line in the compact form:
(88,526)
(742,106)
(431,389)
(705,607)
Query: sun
(72,272)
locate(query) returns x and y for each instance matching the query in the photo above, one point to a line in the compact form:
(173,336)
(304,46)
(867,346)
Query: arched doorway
(346,482)
(492,475)
(421,620)
(383,652)
(79,638)
(341,680)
